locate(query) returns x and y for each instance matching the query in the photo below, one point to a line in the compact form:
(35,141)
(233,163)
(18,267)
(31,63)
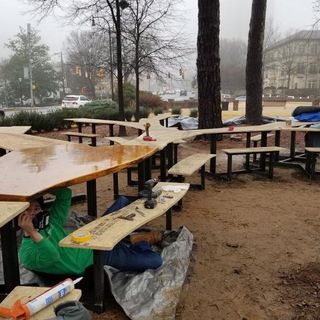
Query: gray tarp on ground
(154,294)
(186,123)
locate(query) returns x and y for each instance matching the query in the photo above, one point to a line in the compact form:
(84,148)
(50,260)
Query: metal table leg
(213,150)
(91,197)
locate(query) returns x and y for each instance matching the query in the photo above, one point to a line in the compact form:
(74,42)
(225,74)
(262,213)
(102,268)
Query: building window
(313,68)
(313,49)
(311,84)
(301,49)
(300,68)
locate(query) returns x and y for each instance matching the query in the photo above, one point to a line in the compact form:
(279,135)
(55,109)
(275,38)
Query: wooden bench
(108,230)
(255,140)
(80,135)
(187,166)
(254,150)
(311,160)
(25,293)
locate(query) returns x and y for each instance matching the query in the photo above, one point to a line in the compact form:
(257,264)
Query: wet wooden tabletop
(15,129)
(28,173)
(16,141)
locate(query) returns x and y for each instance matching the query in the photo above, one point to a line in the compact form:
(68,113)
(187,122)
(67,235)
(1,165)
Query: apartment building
(292,65)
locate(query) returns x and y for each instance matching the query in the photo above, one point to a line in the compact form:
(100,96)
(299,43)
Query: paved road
(46,109)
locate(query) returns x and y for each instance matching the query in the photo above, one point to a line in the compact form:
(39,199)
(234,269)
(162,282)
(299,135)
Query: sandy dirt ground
(256,250)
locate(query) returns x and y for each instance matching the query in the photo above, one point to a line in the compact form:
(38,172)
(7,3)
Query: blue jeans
(137,257)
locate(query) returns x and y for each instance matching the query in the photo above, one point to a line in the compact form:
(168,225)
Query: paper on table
(174,188)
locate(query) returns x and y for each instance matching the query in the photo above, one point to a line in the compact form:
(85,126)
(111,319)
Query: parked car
(74,101)
(241,98)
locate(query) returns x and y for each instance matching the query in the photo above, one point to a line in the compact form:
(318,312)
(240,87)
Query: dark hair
(40,200)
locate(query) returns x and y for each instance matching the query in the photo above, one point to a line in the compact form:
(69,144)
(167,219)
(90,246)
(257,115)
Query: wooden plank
(13,141)
(257,137)
(25,293)
(107,231)
(253,150)
(15,129)
(187,166)
(300,129)
(130,124)
(9,210)
(81,134)
(26,174)
(313,149)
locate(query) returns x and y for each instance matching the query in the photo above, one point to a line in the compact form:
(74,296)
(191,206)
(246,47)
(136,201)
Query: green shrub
(176,110)
(158,110)
(194,113)
(144,112)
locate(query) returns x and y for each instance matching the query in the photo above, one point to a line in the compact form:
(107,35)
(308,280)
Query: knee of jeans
(157,262)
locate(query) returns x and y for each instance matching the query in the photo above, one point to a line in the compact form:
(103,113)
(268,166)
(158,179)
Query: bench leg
(248,146)
(271,159)
(203,177)
(229,171)
(254,156)
(277,143)
(310,163)
(169,219)
(99,281)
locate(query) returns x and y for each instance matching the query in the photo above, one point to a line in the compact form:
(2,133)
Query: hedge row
(55,119)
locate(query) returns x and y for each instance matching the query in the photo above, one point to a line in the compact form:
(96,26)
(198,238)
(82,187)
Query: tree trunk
(208,64)
(254,77)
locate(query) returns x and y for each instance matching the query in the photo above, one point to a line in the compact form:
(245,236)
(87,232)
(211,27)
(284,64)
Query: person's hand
(25,223)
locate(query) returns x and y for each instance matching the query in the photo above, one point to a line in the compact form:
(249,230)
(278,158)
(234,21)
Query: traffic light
(180,72)
(34,87)
(78,70)
(169,75)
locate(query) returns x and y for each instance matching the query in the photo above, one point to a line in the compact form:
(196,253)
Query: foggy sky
(288,15)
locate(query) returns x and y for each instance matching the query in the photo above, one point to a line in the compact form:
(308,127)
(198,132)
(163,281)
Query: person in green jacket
(40,250)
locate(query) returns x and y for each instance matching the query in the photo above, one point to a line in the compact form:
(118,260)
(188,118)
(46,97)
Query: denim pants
(137,257)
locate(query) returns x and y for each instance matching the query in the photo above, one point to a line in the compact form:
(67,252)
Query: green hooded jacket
(47,256)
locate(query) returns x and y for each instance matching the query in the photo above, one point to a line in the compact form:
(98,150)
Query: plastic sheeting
(183,122)
(154,294)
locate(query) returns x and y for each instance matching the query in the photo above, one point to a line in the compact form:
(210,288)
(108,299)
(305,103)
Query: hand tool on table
(151,196)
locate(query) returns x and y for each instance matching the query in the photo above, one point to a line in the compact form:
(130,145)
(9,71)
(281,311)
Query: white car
(72,101)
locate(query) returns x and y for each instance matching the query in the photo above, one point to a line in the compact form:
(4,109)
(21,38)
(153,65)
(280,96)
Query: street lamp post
(20,87)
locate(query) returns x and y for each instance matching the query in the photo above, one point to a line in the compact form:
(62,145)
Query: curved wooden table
(28,173)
